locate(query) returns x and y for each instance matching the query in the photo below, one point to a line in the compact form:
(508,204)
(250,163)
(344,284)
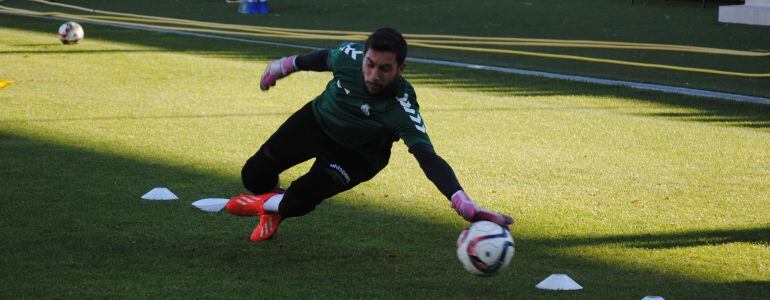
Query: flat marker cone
(559,282)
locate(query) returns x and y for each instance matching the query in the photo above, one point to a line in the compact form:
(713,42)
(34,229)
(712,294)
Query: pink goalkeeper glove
(277,69)
(472,212)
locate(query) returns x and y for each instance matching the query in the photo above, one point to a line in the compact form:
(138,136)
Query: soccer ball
(485,248)
(71,33)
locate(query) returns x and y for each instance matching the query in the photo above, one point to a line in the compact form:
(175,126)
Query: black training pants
(300,138)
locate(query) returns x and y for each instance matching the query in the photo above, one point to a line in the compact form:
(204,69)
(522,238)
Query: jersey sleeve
(344,55)
(313,61)
(436,169)
(404,118)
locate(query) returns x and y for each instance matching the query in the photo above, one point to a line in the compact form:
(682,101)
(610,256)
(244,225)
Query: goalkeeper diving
(349,130)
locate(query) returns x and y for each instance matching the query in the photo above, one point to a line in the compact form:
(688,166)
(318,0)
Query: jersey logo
(352,52)
(412,113)
(365,109)
(347,91)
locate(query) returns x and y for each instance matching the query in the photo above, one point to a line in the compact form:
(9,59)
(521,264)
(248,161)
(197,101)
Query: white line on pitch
(631,84)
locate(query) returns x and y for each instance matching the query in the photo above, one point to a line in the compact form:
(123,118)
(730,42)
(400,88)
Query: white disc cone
(559,282)
(211,204)
(653,298)
(160,193)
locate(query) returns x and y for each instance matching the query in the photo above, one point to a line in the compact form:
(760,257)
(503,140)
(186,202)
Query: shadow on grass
(73,224)
(164,117)
(77,51)
(698,109)
(760,236)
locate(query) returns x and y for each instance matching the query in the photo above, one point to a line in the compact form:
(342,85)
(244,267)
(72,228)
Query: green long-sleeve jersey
(364,122)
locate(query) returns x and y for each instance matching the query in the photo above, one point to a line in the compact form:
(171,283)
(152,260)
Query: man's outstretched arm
(282,67)
(441,174)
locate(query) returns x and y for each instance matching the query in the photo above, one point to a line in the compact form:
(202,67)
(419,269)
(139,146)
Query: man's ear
(401,68)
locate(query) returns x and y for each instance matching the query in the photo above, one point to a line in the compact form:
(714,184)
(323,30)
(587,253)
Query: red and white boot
(268,226)
(254,205)
(248,205)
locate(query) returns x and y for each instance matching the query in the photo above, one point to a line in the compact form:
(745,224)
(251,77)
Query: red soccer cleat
(248,205)
(268,226)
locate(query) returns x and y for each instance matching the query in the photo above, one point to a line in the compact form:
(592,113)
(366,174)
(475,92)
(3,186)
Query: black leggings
(300,138)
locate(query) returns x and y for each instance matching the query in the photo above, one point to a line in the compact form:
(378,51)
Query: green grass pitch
(630,193)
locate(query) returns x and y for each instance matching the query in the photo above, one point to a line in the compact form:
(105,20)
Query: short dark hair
(388,39)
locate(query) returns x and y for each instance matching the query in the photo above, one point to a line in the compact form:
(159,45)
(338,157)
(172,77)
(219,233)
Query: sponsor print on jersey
(412,113)
(352,52)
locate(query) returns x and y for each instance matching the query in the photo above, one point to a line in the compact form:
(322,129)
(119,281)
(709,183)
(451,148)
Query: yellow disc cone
(5,83)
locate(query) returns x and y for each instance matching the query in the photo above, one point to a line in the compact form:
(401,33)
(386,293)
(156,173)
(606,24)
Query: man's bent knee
(258,174)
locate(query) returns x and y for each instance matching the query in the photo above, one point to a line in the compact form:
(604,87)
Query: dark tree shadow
(72,217)
(760,236)
(156,117)
(76,51)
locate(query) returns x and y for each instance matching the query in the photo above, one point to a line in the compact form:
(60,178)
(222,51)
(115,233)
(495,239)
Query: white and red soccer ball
(485,248)
(71,33)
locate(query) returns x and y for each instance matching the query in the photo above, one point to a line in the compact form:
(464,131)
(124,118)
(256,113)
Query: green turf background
(680,22)
(631,193)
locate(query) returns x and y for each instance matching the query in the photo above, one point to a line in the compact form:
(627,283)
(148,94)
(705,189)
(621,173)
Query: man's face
(380,69)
